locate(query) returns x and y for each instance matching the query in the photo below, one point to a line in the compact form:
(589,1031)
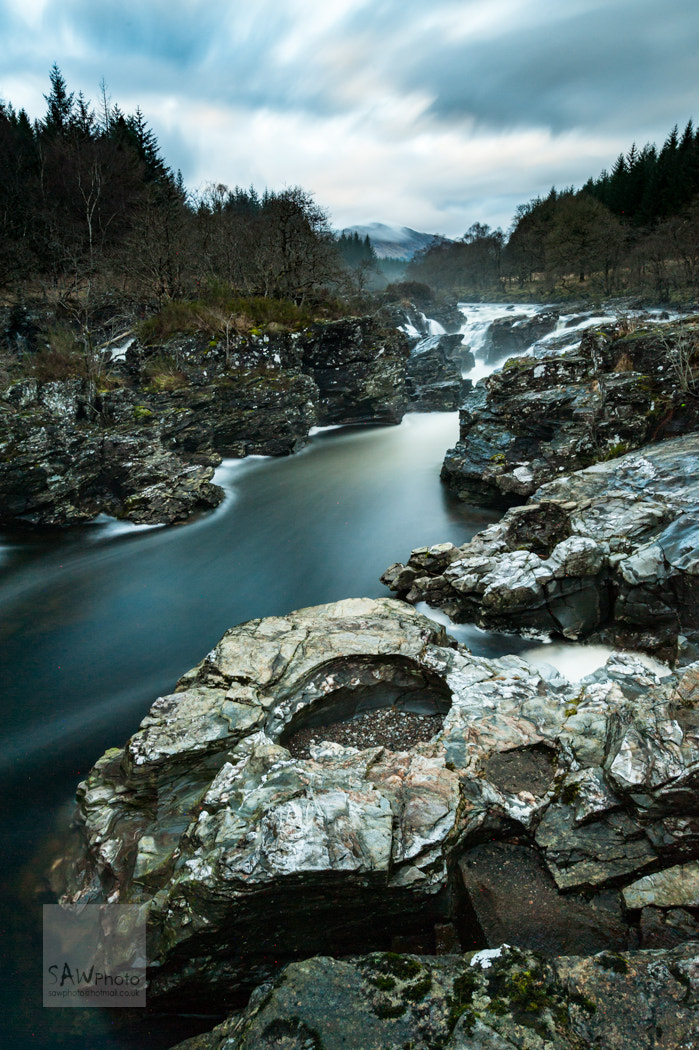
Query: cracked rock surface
(535,418)
(245,857)
(608,549)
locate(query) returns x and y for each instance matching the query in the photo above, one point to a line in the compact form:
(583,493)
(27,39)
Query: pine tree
(59,104)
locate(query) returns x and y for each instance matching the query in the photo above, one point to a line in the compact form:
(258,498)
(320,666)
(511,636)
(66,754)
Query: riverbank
(328,544)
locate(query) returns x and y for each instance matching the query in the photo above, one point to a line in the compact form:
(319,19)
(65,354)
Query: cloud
(434,115)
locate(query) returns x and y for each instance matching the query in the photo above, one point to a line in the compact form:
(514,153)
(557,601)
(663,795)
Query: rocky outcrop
(414,305)
(490,1001)
(433,374)
(245,857)
(512,335)
(359,367)
(141,442)
(533,419)
(69,451)
(610,549)
(448,315)
(59,469)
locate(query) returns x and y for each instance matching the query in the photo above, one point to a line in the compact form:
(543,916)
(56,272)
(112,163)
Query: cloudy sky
(427,113)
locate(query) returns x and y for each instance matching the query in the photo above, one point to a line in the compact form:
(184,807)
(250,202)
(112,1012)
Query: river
(97,621)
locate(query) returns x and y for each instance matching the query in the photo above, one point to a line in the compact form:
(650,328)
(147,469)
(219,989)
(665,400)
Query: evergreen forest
(634,230)
(91,213)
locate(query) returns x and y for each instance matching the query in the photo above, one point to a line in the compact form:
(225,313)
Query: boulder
(248,852)
(608,549)
(514,334)
(536,418)
(433,374)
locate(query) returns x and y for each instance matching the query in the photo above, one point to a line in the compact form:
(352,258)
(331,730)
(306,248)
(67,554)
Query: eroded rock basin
(559,817)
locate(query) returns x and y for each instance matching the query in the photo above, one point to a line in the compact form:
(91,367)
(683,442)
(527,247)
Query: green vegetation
(400,966)
(162,373)
(387,1009)
(460,1002)
(221,314)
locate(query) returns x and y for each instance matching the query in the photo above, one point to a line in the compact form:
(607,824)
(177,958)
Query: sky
(430,114)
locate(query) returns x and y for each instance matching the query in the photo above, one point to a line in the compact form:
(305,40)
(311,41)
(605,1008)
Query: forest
(634,230)
(89,207)
(91,215)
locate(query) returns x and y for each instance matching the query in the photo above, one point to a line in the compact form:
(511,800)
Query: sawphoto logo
(94,956)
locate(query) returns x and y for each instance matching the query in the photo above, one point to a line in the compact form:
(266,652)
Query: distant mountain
(393,242)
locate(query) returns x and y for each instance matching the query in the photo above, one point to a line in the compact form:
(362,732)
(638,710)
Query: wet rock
(610,548)
(494,1001)
(359,367)
(513,334)
(532,420)
(63,473)
(433,375)
(248,851)
(141,443)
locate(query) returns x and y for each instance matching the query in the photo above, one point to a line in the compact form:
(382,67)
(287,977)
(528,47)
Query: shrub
(60,358)
(163,373)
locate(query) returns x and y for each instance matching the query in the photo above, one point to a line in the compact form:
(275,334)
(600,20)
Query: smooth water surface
(97,622)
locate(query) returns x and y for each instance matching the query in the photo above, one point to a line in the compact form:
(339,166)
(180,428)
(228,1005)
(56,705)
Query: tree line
(632,230)
(88,204)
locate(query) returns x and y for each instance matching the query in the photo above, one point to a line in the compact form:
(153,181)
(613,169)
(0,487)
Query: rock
(512,335)
(433,376)
(534,419)
(666,928)
(144,444)
(415,306)
(516,900)
(266,412)
(493,1001)
(610,548)
(247,856)
(359,366)
(63,473)
(448,315)
(676,887)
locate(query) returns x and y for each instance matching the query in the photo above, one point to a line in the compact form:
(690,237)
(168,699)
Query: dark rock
(535,419)
(666,928)
(139,453)
(359,367)
(491,1001)
(142,443)
(611,548)
(514,334)
(433,376)
(517,902)
(54,473)
(448,315)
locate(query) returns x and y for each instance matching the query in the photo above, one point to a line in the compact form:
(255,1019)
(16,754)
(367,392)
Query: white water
(479,317)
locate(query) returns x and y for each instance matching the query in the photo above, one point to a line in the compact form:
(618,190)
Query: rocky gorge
(606,551)
(392,842)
